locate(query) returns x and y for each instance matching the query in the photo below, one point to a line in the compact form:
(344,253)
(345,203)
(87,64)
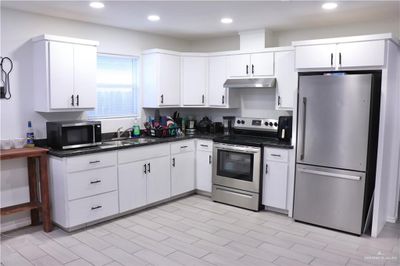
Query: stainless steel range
(237,161)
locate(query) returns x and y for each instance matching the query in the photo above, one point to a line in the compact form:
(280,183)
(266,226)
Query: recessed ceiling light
(96,4)
(329,6)
(226,20)
(153,18)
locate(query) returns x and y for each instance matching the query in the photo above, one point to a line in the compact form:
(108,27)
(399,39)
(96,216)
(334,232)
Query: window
(116,86)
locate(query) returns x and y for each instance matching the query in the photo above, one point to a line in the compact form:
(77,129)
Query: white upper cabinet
(262,64)
(85,68)
(161,79)
(341,55)
(251,65)
(194,80)
(286,76)
(359,54)
(217,94)
(316,56)
(238,65)
(64,73)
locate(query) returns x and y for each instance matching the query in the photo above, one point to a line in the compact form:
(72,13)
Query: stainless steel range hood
(251,83)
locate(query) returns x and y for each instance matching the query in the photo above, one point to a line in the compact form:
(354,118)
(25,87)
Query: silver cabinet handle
(93,162)
(202,98)
(223,99)
(72,100)
(145,168)
(184,147)
(266,168)
(77,100)
(96,207)
(95,181)
(173,162)
(304,129)
(350,177)
(209,159)
(331,59)
(275,155)
(162,98)
(148,170)
(279,100)
(203,145)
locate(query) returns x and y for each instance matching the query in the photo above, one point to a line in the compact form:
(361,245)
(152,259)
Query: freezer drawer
(329,197)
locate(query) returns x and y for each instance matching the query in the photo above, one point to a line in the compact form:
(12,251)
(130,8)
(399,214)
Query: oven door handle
(238,149)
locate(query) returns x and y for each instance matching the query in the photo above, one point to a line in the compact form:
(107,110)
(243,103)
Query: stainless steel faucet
(120,133)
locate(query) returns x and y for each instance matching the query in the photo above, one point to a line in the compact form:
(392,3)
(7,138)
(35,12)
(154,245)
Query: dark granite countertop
(144,141)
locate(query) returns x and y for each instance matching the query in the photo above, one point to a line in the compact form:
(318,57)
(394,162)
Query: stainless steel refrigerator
(338,119)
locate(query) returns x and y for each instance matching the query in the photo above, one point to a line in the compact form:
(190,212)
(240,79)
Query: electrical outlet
(2,92)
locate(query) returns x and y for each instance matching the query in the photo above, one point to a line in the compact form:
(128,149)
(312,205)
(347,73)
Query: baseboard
(391,219)
(19,223)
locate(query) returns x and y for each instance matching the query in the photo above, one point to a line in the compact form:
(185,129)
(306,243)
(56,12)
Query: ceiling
(193,20)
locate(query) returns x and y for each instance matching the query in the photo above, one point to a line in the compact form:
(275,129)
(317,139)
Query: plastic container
(135,129)
(30,137)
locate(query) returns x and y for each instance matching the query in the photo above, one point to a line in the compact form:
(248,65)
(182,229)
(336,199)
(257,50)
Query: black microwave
(73,134)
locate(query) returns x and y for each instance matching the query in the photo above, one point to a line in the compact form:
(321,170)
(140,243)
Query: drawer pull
(275,155)
(95,181)
(184,147)
(96,207)
(204,145)
(92,162)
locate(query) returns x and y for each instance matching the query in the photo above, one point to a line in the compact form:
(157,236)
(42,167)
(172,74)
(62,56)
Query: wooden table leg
(33,194)
(45,194)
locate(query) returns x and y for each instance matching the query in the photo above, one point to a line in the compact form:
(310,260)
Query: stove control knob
(266,124)
(238,121)
(242,121)
(270,124)
(276,124)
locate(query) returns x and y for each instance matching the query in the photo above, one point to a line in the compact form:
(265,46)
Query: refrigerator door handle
(349,177)
(303,145)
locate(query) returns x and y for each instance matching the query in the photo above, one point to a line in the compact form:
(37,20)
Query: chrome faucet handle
(119,132)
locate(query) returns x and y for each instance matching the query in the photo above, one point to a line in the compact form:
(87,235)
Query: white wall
(17,28)
(285,38)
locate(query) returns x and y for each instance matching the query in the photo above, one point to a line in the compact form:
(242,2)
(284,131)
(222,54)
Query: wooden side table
(34,155)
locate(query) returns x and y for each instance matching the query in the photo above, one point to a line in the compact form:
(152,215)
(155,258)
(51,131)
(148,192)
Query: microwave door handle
(94,133)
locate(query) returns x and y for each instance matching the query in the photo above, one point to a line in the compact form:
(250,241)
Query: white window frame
(138,94)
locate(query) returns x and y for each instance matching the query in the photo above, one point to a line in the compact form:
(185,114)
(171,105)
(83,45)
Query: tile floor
(197,231)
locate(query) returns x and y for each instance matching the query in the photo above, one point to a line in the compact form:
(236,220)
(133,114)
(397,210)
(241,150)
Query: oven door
(77,136)
(237,166)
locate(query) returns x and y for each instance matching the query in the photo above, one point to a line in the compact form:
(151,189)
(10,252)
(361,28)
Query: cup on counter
(6,144)
(19,143)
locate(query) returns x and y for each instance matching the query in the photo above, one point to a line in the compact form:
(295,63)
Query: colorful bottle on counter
(30,136)
(135,129)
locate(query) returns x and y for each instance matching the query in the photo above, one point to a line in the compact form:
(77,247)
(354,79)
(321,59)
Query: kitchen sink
(127,142)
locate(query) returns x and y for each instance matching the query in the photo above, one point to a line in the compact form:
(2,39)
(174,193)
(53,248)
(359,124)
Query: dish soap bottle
(30,136)
(135,129)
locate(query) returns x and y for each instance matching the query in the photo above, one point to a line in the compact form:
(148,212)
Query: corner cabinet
(194,80)
(161,83)
(64,73)
(340,55)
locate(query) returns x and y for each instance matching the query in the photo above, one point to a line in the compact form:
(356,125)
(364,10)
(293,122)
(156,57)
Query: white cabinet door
(204,170)
(361,54)
(182,173)
(61,75)
(275,184)
(316,56)
(239,65)
(169,82)
(158,179)
(132,185)
(85,67)
(216,79)
(262,64)
(194,80)
(286,77)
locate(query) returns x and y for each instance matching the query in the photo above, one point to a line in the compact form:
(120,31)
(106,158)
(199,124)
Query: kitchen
(22,22)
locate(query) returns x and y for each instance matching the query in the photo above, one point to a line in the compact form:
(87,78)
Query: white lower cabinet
(204,165)
(158,179)
(275,178)
(182,167)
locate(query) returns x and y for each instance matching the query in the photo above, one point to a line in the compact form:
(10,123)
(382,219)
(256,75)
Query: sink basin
(127,142)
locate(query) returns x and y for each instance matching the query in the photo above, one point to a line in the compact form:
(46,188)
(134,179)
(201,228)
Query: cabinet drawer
(91,161)
(93,208)
(182,146)
(279,155)
(92,182)
(143,153)
(204,145)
